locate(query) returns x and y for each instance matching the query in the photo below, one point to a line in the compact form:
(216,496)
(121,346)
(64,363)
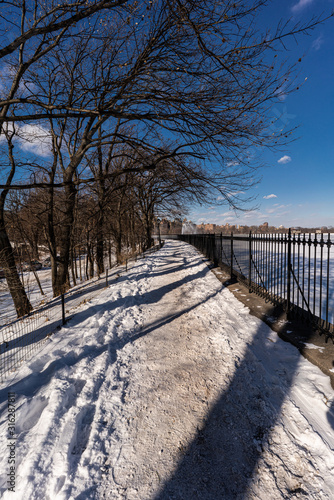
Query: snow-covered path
(164,386)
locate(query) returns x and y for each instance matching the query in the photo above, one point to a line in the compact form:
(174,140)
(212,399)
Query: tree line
(111,110)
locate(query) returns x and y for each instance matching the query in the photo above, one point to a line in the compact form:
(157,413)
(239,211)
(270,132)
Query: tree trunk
(34,247)
(80,263)
(119,235)
(16,288)
(17,291)
(38,282)
(148,232)
(75,263)
(132,229)
(62,283)
(100,227)
(109,253)
(50,234)
(73,268)
(91,266)
(100,244)
(119,249)
(90,263)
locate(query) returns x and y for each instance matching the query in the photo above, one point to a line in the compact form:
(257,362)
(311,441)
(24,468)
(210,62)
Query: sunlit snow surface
(36,298)
(7,311)
(164,386)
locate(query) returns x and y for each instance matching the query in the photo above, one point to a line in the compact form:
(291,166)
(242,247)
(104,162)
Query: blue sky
(297,187)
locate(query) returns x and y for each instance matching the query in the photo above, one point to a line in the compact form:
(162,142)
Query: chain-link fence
(21,338)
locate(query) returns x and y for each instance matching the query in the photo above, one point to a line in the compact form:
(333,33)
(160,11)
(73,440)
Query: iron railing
(295,271)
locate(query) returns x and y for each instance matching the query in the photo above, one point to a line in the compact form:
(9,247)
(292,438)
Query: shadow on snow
(226,449)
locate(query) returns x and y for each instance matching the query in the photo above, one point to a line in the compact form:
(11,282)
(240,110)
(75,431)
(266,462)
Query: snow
(164,386)
(7,310)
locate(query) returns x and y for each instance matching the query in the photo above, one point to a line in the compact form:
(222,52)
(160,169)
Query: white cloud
(282,96)
(280,92)
(284,159)
(227,214)
(254,214)
(318,42)
(300,5)
(8,128)
(34,139)
(270,196)
(234,193)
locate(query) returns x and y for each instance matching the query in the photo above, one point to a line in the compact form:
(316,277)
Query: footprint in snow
(30,413)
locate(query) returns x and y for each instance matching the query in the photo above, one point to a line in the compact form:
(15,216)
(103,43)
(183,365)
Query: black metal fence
(295,271)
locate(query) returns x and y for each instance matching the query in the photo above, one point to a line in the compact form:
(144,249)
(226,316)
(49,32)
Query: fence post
(211,247)
(215,259)
(63,309)
(250,263)
(288,278)
(106,277)
(232,256)
(221,249)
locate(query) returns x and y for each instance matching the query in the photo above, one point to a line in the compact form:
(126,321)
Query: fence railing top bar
(322,239)
(239,237)
(267,237)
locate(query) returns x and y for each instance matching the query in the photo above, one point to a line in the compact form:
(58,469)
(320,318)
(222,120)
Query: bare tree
(200,73)
(7,259)
(168,188)
(202,70)
(36,29)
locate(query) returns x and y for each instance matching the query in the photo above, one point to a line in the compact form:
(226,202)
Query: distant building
(175,227)
(264,226)
(208,228)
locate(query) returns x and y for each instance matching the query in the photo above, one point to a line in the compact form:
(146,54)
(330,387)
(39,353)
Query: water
(312,276)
